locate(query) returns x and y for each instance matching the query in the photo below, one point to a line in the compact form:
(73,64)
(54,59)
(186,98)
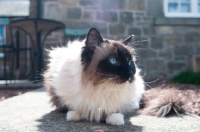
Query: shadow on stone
(56,121)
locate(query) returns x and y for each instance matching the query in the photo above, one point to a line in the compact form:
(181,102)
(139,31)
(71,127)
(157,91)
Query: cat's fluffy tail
(163,100)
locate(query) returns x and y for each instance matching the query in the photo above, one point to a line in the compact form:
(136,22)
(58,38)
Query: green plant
(187,77)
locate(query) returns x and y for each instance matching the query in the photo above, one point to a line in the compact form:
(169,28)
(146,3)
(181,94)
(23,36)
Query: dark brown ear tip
(91,29)
(93,36)
(128,39)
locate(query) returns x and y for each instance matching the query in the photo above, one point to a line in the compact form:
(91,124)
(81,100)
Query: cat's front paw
(115,119)
(73,116)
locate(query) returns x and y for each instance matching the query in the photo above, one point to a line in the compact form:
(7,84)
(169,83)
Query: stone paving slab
(33,112)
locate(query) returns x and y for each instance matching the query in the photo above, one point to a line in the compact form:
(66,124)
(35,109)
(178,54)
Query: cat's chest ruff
(110,98)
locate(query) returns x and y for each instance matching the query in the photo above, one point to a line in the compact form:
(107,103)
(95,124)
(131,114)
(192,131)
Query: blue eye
(113,61)
(129,63)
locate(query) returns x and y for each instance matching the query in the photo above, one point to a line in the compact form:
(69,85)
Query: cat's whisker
(103,80)
(108,80)
(152,81)
(136,43)
(144,74)
(97,81)
(114,88)
(140,41)
(107,92)
(111,90)
(135,46)
(147,85)
(101,73)
(141,49)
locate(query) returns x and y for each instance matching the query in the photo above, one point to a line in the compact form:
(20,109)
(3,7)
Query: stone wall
(163,45)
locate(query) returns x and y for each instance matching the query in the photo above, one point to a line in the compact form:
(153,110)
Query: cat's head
(107,60)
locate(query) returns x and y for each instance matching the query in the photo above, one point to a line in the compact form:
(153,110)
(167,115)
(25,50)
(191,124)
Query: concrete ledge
(19,85)
(32,112)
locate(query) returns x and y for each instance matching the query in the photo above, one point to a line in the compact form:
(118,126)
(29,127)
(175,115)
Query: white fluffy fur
(73,116)
(115,119)
(91,101)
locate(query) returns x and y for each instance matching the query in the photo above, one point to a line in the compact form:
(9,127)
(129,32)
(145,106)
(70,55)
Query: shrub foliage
(187,77)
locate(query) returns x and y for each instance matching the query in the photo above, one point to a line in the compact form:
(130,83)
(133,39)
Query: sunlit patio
(166,39)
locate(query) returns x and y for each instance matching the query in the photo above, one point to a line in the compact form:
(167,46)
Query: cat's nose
(130,71)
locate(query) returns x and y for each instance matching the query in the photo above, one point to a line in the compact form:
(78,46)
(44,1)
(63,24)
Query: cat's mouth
(131,79)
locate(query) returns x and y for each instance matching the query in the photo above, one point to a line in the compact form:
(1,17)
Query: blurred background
(167,34)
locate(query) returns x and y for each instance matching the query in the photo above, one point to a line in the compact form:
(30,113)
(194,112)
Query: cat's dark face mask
(116,66)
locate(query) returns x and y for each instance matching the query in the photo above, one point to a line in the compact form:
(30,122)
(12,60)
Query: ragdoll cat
(170,98)
(95,79)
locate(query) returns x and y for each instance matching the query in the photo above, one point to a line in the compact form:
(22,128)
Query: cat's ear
(93,38)
(127,40)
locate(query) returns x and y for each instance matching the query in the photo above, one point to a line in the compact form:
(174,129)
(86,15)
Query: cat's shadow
(56,122)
